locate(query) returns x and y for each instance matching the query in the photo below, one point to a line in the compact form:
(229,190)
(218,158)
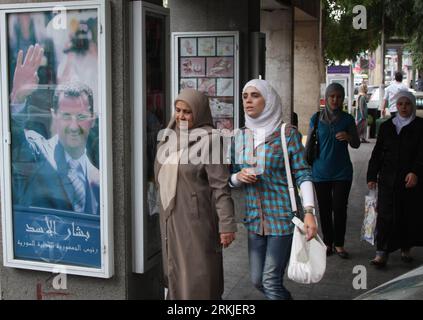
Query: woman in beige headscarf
(197,216)
(361,116)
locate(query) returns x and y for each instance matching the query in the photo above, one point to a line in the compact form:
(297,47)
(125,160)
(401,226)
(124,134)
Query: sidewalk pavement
(337,284)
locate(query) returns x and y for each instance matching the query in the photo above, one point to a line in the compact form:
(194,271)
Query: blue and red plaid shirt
(268,207)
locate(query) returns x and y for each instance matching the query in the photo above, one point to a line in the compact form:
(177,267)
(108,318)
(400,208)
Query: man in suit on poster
(53,173)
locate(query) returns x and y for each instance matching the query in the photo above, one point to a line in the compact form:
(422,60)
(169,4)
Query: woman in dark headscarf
(396,167)
(196,212)
(332,170)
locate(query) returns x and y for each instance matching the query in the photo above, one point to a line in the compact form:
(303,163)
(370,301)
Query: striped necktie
(77,179)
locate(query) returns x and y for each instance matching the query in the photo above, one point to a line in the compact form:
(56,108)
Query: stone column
(307,71)
(278,27)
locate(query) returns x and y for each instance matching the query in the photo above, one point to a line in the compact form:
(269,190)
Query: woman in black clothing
(396,168)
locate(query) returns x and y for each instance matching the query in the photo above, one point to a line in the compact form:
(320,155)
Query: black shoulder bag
(313,146)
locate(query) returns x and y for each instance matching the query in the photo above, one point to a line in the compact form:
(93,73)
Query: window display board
(344,76)
(56,172)
(150,79)
(209,62)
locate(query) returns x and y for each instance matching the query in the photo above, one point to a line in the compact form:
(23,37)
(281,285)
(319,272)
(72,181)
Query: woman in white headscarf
(258,166)
(396,169)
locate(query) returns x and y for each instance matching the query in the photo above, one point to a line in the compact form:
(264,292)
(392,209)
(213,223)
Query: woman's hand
(371,185)
(411,180)
(343,136)
(245,176)
(383,112)
(227,238)
(310,226)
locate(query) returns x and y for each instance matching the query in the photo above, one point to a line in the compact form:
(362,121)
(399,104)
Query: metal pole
(382,65)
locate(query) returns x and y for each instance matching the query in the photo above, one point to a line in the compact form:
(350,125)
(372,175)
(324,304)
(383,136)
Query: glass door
(150,99)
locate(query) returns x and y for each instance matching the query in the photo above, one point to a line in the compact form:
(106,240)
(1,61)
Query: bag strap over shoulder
(291,188)
(316,121)
(288,171)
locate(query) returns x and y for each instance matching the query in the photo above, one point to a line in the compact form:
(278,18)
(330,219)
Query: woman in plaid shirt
(258,166)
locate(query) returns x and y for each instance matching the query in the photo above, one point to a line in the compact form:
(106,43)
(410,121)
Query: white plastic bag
(368,229)
(307,263)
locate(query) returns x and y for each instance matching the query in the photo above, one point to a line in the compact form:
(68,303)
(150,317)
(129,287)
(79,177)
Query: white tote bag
(307,263)
(368,229)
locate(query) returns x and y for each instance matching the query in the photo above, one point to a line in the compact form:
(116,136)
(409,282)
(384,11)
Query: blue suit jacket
(40,174)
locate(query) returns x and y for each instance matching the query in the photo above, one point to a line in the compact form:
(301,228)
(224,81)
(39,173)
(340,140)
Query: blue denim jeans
(269,256)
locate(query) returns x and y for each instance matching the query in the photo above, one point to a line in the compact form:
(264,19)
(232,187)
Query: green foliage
(416,49)
(405,19)
(341,40)
(401,18)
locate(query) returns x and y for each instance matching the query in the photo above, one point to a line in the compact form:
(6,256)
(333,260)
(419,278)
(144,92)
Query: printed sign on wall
(207,61)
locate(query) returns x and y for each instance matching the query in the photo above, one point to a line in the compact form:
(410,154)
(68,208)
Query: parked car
(408,286)
(419,103)
(375,98)
(419,99)
(419,85)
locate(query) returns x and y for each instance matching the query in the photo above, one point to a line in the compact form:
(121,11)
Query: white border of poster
(233,72)
(102,111)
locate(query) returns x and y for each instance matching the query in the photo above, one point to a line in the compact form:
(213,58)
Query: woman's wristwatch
(309,210)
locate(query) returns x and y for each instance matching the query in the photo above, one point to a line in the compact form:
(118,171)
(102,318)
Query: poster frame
(106,248)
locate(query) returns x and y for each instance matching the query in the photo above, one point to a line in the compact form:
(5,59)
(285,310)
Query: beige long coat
(192,253)
(202,208)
